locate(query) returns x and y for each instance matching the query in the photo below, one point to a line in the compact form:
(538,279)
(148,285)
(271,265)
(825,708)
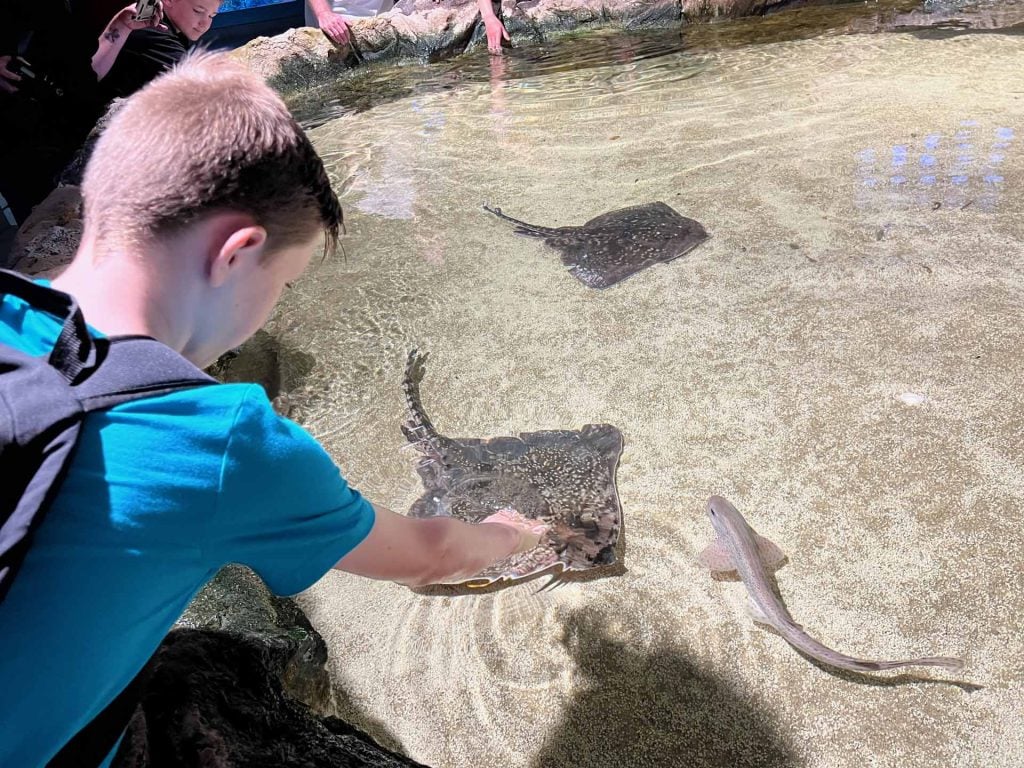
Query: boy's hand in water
(438,550)
(532,531)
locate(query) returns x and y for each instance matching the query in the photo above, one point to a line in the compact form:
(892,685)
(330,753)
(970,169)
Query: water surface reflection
(682,52)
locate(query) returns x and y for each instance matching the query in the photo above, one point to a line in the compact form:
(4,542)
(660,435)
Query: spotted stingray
(564,478)
(608,249)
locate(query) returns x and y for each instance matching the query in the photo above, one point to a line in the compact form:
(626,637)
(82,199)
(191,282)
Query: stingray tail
(418,428)
(522,228)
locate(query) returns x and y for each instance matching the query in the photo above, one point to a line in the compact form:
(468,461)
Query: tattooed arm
(112,40)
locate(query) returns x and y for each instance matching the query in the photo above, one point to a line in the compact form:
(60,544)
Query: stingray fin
(769,552)
(716,558)
(552,583)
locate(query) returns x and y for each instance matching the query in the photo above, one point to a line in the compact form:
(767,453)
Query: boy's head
(207,182)
(208,136)
(192,17)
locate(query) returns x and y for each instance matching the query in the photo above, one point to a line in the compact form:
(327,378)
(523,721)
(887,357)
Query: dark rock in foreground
(237,603)
(241,681)
(215,699)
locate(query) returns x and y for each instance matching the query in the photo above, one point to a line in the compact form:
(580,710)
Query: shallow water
(842,360)
(369,86)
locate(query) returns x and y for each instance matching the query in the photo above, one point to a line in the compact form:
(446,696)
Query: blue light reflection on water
(961,169)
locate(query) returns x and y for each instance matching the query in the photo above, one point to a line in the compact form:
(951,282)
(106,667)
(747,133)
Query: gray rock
(268,55)
(431,30)
(214,699)
(241,681)
(572,14)
(237,601)
(278,368)
(50,235)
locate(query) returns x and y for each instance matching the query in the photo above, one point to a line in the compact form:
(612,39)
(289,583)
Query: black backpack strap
(134,367)
(102,373)
(74,351)
(105,372)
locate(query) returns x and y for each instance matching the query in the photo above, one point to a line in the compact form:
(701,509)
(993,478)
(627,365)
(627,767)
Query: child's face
(243,303)
(262,286)
(192,17)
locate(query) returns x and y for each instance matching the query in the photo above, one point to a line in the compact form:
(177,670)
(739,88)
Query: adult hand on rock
(334,26)
(7,78)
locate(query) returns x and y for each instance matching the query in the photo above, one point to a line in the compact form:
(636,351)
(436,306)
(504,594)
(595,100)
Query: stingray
(564,478)
(608,249)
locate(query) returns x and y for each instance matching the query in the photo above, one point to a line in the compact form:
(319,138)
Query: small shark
(738,548)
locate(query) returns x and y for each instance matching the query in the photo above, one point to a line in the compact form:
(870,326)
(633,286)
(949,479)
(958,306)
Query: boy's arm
(417,552)
(284,509)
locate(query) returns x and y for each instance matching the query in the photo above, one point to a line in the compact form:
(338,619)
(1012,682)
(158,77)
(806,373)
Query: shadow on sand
(655,709)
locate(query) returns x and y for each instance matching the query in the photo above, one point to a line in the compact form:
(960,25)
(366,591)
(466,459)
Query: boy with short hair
(203,198)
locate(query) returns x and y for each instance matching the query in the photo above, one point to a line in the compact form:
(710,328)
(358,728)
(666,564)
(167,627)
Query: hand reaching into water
(495,32)
(437,550)
(495,29)
(532,531)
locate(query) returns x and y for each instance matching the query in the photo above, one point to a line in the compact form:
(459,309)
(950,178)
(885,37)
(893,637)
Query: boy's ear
(240,246)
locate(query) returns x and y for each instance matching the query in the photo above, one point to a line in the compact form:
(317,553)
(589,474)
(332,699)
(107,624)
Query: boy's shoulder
(220,408)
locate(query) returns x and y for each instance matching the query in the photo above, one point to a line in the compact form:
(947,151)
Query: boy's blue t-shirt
(160,494)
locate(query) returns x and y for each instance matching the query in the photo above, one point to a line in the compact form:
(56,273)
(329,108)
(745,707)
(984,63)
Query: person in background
(329,15)
(496,31)
(49,91)
(148,52)
(322,14)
